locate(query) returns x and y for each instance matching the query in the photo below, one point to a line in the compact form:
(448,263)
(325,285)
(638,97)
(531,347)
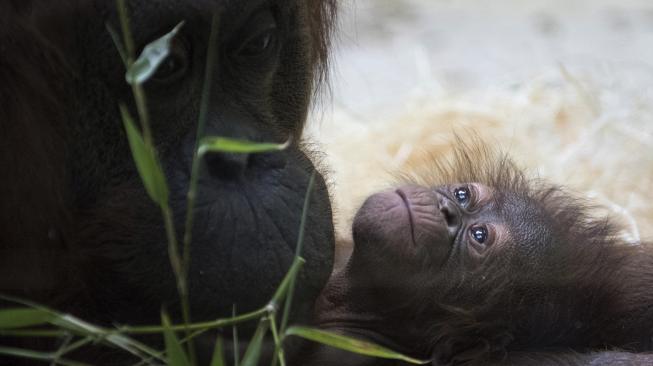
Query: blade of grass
(32,333)
(218,353)
(146,161)
(175,354)
(253,352)
(23,317)
(224,144)
(350,344)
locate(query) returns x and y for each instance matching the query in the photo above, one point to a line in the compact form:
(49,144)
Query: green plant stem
(201,122)
(116,41)
(234,334)
(137,89)
(285,287)
(278,354)
(173,249)
(56,355)
(302,223)
(298,251)
(159,355)
(200,326)
(219,323)
(195,170)
(96,334)
(36,355)
(73,346)
(180,275)
(126,32)
(297,264)
(101,332)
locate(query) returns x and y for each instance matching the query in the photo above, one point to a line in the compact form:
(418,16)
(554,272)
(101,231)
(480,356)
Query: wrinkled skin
(79,232)
(499,270)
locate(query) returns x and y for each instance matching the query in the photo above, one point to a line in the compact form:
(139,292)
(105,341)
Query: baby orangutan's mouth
(403,224)
(427,225)
(411,220)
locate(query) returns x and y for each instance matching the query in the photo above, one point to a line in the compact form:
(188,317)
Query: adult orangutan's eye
(258,37)
(259,43)
(175,65)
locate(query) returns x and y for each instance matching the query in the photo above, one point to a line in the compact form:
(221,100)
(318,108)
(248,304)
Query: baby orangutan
(480,265)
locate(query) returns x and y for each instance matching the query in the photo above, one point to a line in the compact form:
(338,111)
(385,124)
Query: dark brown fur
(77,230)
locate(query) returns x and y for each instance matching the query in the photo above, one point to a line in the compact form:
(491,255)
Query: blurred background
(565,86)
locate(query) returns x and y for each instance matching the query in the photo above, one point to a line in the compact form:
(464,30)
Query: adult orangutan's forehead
(153,14)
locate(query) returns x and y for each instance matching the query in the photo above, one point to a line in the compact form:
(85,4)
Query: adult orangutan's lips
(411,221)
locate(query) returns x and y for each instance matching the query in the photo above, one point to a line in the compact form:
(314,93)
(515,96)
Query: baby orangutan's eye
(479,234)
(463,195)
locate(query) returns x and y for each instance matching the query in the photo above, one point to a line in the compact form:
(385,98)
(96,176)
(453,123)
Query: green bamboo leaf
(175,354)
(146,161)
(350,344)
(253,352)
(224,144)
(151,57)
(23,317)
(218,353)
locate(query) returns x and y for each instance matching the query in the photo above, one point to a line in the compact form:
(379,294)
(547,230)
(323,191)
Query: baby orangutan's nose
(450,213)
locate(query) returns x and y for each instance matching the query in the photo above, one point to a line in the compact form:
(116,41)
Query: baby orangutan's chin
(401,225)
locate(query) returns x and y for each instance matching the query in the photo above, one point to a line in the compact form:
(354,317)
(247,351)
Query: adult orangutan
(79,232)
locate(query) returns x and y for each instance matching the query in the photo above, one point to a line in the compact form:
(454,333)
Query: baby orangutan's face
(405,230)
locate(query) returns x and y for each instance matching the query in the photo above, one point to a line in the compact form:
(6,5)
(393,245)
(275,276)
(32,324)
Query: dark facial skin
(411,225)
(410,239)
(248,207)
(496,271)
(83,205)
(408,242)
